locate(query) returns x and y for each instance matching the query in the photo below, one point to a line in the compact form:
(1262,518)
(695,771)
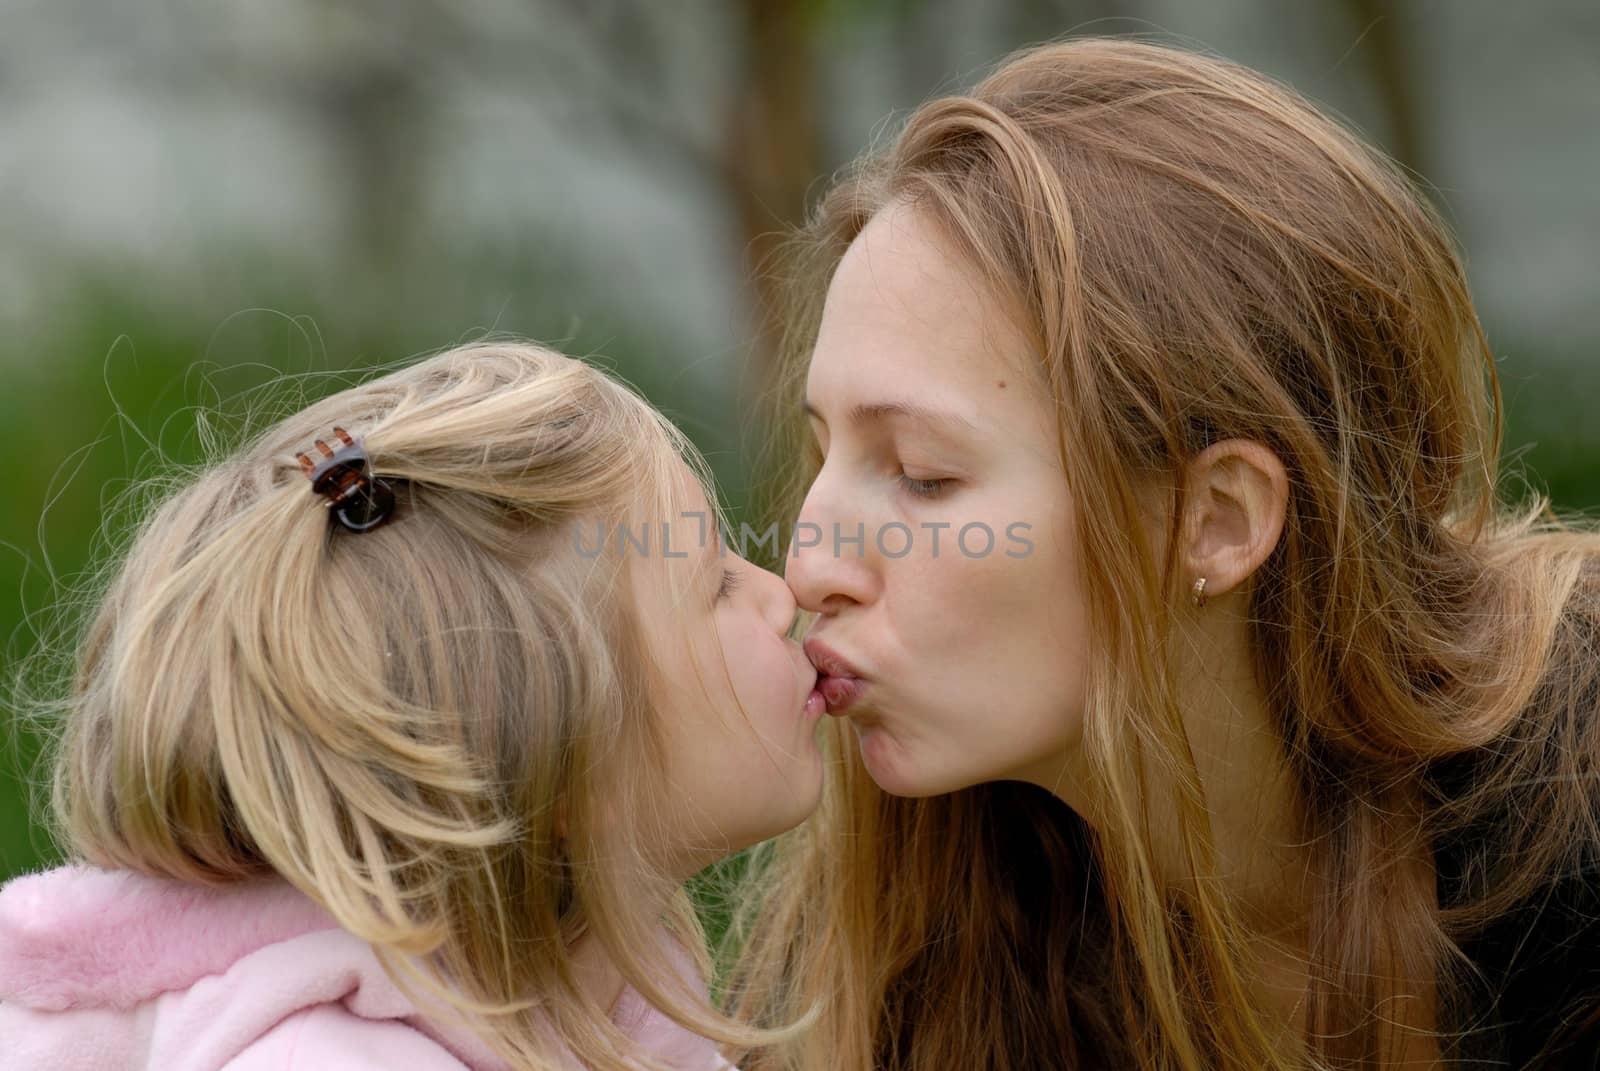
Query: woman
(1269,737)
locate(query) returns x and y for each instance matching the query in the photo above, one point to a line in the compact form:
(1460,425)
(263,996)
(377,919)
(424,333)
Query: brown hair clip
(360,501)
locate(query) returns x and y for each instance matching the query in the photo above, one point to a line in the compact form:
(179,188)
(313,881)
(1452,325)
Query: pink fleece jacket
(110,971)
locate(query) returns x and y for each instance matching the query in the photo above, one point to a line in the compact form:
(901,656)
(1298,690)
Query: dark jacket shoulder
(1537,1002)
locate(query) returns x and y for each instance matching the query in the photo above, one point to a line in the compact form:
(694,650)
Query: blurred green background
(195,199)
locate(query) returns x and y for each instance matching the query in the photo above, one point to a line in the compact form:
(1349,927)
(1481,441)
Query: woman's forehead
(906,308)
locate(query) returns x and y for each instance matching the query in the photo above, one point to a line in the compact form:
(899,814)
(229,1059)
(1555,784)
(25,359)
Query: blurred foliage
(1552,438)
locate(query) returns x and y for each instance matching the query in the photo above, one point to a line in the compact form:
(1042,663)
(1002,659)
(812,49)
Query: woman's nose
(827,566)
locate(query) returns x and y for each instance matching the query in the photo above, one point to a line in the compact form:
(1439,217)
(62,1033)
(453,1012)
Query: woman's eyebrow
(866,412)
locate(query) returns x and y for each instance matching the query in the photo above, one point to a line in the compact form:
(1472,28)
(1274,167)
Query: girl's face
(736,698)
(937,541)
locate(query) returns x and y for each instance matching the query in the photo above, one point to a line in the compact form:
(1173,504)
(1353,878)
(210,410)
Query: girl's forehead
(684,504)
(673,536)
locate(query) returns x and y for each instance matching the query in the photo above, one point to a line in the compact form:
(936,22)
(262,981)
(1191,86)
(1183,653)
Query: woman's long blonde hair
(436,729)
(1202,256)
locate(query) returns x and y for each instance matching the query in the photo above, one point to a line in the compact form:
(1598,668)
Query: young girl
(395,736)
(1277,745)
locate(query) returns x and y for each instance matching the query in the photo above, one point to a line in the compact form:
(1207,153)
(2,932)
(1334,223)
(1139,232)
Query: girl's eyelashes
(730,583)
(923,488)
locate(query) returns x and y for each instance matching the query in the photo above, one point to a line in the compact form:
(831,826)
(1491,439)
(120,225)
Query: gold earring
(1198,595)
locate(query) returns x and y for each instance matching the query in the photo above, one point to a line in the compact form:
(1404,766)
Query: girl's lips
(840,683)
(816,703)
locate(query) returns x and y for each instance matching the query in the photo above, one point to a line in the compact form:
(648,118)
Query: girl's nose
(777,602)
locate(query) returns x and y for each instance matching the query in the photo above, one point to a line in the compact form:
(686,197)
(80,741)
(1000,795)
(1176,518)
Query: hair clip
(360,501)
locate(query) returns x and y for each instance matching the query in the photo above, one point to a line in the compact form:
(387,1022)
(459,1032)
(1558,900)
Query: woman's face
(960,609)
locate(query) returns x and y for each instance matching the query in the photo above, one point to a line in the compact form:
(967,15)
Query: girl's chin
(799,803)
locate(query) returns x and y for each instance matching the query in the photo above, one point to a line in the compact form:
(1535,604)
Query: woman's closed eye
(730,583)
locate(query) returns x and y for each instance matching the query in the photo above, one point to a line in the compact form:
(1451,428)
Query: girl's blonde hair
(1200,255)
(436,729)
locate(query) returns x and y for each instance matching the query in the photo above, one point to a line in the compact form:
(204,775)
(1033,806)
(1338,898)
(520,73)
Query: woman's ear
(1236,494)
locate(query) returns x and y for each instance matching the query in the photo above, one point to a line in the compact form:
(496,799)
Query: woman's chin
(893,768)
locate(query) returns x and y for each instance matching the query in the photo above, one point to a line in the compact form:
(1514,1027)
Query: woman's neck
(1253,808)
(1255,817)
